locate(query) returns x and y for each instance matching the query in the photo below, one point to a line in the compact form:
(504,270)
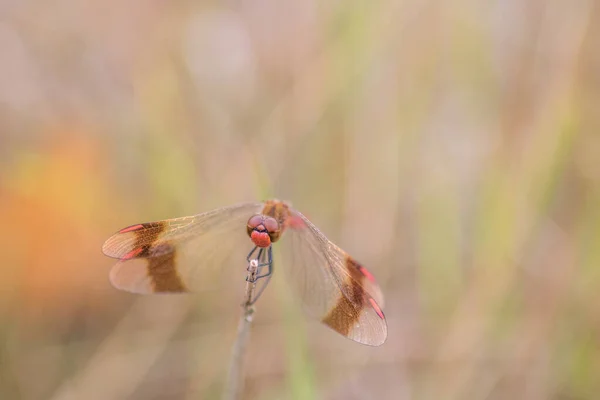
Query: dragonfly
(180,255)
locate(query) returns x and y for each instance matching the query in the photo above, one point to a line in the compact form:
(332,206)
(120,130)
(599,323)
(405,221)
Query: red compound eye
(271,224)
(255,221)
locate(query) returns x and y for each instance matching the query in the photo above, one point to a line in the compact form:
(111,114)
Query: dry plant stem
(235,378)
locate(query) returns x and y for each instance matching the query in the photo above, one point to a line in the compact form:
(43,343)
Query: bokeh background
(452,147)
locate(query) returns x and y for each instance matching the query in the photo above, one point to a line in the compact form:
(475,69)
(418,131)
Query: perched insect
(177,255)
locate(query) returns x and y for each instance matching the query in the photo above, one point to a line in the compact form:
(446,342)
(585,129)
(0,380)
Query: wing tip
(373,341)
(381,316)
(132,279)
(106,247)
(110,249)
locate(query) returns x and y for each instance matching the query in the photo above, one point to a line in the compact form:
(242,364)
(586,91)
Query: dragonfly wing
(181,254)
(333,287)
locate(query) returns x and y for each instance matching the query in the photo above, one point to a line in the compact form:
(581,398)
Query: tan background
(452,147)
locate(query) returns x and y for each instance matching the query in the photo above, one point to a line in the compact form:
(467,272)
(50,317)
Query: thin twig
(235,378)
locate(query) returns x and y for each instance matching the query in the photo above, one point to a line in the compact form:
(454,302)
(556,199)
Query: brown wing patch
(346,313)
(146,237)
(368,282)
(162,271)
(161,266)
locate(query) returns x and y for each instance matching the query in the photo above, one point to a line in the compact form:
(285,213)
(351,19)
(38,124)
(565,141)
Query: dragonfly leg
(268,264)
(251,252)
(264,285)
(268,275)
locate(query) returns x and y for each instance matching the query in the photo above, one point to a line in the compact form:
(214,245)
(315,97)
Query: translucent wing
(181,254)
(333,287)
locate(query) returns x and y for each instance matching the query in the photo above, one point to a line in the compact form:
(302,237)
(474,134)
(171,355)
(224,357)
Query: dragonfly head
(263,230)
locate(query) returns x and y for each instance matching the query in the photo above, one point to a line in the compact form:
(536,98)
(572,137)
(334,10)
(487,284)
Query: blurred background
(452,147)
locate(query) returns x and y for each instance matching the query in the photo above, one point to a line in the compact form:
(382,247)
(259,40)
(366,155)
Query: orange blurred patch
(52,203)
